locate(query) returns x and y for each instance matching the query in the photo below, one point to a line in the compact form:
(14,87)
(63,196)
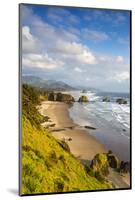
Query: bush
(53,157)
(62,158)
(30,99)
(99,176)
(89,171)
(59,185)
(110,152)
(32,185)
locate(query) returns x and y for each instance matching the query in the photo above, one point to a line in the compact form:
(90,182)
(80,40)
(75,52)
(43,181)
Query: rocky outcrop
(84,91)
(103,161)
(90,127)
(113,160)
(106,99)
(64,98)
(83,99)
(124,167)
(60,97)
(121,101)
(51,96)
(100,164)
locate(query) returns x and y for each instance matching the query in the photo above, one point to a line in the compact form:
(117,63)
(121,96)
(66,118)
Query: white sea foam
(106,113)
(111,120)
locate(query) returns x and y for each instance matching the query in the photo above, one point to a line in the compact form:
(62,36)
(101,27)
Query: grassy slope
(47,167)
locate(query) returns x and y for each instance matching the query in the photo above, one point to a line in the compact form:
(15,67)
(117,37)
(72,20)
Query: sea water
(111,120)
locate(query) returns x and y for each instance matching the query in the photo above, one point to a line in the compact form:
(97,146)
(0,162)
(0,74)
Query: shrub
(53,157)
(59,185)
(99,176)
(89,171)
(110,152)
(32,185)
(30,99)
(62,158)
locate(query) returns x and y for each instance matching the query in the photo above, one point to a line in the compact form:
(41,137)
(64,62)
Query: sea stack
(83,99)
(121,101)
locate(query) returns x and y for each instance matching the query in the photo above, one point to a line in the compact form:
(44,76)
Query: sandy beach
(81,143)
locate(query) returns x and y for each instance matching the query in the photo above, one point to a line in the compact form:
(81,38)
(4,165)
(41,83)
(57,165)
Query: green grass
(47,167)
(47,164)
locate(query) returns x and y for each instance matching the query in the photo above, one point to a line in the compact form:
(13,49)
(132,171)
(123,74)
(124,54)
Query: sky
(79,46)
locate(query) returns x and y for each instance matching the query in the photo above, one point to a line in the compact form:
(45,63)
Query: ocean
(111,120)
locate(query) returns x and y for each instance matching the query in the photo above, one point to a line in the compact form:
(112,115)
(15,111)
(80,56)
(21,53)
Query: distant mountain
(46,84)
(87,88)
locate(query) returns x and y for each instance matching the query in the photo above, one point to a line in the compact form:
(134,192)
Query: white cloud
(29,43)
(69,47)
(76,51)
(40,61)
(123,76)
(26,33)
(77,69)
(119,59)
(87,57)
(95,35)
(106,59)
(61,14)
(60,44)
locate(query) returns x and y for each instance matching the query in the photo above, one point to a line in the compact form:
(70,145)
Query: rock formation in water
(121,101)
(106,99)
(83,99)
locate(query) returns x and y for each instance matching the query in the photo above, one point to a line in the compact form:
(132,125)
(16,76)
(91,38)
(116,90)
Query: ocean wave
(108,113)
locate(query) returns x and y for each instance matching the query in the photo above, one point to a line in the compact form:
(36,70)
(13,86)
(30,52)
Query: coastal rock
(51,96)
(106,99)
(100,164)
(113,160)
(84,91)
(60,97)
(121,101)
(124,167)
(90,127)
(83,99)
(64,98)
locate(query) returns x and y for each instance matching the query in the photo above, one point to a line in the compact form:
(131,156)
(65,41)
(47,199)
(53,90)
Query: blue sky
(87,47)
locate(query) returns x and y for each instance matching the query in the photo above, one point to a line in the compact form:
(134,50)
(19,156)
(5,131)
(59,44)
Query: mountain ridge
(46,84)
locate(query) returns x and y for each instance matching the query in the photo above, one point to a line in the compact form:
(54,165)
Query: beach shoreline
(82,145)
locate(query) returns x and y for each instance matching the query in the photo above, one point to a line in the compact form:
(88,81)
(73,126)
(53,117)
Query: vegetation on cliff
(47,164)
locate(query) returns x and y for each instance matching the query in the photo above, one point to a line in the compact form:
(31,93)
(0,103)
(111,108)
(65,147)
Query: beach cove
(82,145)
